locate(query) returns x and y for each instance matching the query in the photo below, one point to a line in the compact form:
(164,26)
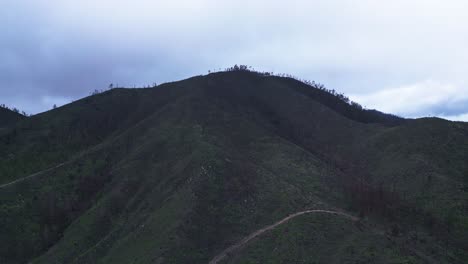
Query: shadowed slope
(8,117)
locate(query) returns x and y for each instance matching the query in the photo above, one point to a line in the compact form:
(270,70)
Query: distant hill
(181,172)
(8,117)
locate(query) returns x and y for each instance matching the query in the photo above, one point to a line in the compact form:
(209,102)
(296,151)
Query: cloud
(65,49)
(48,101)
(460,117)
(419,99)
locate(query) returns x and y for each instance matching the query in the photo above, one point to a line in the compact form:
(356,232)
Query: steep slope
(56,136)
(180,172)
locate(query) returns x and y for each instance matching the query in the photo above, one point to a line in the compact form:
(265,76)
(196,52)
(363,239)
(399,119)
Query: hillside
(8,117)
(180,172)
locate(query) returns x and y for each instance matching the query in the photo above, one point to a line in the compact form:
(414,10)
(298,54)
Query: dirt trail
(76,157)
(257,233)
(31,176)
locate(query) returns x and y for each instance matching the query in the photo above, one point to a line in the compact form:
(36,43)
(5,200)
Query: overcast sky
(406,57)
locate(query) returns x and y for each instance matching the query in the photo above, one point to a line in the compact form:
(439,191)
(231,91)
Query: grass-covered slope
(178,173)
(56,136)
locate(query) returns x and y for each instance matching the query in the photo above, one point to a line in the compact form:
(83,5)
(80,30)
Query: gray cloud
(61,50)
(419,99)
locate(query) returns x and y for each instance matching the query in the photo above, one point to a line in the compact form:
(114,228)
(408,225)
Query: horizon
(310,83)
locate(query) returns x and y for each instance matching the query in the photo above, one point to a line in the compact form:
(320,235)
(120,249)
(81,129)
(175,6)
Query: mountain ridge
(181,171)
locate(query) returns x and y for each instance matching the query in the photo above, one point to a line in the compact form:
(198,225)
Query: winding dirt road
(31,176)
(257,233)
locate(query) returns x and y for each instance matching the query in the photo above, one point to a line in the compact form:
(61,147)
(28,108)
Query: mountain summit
(231,167)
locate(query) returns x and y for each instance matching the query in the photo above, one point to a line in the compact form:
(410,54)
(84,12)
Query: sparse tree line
(117,86)
(95,92)
(337,101)
(313,84)
(14,109)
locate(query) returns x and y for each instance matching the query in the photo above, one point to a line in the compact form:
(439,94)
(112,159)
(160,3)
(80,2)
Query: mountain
(236,166)
(8,117)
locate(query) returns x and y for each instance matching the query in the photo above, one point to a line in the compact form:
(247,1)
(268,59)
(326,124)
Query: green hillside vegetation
(179,172)
(9,117)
